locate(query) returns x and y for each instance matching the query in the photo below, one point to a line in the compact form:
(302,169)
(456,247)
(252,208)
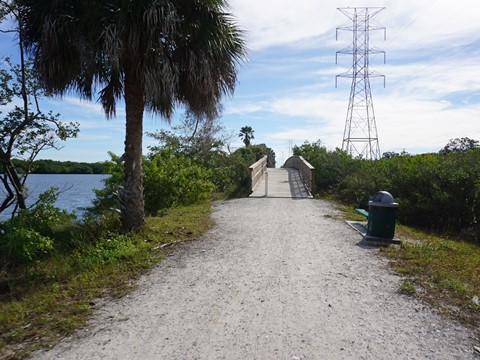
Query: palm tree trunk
(133,213)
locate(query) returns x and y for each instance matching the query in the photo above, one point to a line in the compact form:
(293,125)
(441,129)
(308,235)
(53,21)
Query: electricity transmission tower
(360,138)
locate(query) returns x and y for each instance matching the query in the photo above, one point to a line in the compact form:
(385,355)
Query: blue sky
(287,93)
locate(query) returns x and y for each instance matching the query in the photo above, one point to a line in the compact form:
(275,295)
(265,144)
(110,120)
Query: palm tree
(246,133)
(153,53)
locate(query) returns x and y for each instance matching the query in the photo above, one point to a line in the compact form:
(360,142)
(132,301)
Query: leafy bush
(436,191)
(239,177)
(331,167)
(171,179)
(23,246)
(202,142)
(223,174)
(43,217)
(240,161)
(106,199)
(30,235)
(251,154)
(182,170)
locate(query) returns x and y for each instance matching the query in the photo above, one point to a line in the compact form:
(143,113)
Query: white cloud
(424,124)
(417,24)
(410,24)
(239,108)
(278,22)
(434,79)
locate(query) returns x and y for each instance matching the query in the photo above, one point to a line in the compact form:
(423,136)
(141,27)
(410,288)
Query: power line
(414,20)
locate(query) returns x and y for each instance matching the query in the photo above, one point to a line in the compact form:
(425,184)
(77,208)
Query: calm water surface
(77,190)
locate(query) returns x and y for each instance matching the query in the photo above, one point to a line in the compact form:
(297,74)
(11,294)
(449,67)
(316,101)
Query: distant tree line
(62,167)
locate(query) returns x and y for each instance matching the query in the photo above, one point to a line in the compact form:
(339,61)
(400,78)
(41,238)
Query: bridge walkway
(281,183)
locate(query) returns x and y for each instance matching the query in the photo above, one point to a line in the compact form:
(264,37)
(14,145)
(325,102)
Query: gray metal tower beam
(360,138)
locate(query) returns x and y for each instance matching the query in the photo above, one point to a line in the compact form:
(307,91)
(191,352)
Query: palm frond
(182,52)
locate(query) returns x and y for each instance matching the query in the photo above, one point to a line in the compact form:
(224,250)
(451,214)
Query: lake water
(77,190)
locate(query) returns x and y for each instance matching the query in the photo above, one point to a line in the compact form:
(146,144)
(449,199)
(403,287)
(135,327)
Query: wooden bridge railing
(257,171)
(307,171)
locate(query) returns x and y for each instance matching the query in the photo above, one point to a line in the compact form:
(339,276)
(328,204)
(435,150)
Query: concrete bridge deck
(282,183)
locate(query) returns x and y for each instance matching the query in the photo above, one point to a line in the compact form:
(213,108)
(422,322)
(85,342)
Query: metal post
(266,182)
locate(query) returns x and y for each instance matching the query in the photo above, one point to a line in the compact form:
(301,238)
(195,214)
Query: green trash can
(382,215)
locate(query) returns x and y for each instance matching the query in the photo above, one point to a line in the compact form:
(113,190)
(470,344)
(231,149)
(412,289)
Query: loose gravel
(273,279)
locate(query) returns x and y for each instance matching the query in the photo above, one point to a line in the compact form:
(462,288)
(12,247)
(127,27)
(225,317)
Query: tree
(24,130)
(390,154)
(271,158)
(460,145)
(331,167)
(246,133)
(154,54)
(201,139)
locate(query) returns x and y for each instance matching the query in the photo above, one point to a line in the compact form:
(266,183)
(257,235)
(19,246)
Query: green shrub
(331,167)
(171,179)
(227,171)
(106,199)
(240,175)
(251,154)
(44,217)
(24,246)
(437,191)
(239,162)
(31,234)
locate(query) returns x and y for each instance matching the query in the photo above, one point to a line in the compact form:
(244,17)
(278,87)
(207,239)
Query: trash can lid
(383,198)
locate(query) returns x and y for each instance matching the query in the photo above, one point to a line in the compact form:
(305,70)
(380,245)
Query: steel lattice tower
(360,138)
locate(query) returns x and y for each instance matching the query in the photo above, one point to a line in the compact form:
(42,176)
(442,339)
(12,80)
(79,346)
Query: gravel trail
(273,279)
